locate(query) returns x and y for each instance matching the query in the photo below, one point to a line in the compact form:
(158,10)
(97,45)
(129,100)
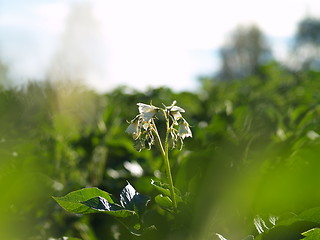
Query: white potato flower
(142,127)
(134,129)
(146,111)
(175,112)
(184,130)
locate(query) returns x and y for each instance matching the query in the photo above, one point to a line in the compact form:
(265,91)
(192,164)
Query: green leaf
(72,202)
(140,203)
(164,188)
(126,197)
(102,205)
(132,200)
(312,234)
(163,201)
(293,227)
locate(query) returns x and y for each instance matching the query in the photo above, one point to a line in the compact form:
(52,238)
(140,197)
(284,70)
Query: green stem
(165,154)
(167,163)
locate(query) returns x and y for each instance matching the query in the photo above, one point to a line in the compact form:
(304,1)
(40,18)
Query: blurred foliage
(255,152)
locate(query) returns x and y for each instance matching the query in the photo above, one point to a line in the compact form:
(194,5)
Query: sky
(139,43)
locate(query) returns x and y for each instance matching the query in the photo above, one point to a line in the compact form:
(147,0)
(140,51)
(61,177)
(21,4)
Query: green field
(250,170)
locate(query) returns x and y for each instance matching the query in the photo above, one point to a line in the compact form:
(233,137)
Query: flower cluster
(143,128)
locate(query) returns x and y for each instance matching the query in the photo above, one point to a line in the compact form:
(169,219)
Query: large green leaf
(73,201)
(126,197)
(102,205)
(293,227)
(132,200)
(312,234)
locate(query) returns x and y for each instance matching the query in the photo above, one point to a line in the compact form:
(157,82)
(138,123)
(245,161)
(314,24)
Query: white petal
(176,115)
(184,130)
(145,107)
(146,116)
(177,109)
(133,129)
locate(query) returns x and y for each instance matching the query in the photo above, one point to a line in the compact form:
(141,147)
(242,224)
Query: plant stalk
(165,154)
(168,170)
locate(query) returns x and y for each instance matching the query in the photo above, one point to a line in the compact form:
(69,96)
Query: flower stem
(168,170)
(165,154)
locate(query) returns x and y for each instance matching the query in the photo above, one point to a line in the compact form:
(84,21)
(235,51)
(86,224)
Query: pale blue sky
(139,43)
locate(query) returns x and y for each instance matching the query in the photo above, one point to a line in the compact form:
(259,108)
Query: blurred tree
(309,31)
(306,48)
(243,53)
